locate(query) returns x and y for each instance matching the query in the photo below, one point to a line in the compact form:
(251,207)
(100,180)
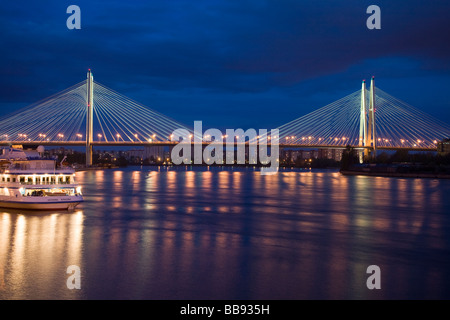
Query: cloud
(258,48)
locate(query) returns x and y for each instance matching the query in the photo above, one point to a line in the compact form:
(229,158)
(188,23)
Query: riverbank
(397,170)
(95,168)
(396,174)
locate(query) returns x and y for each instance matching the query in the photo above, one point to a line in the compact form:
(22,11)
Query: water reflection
(223,234)
(36,249)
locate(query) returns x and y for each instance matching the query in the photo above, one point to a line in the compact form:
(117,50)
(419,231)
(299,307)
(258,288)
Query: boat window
(7,179)
(22,179)
(68,179)
(3,179)
(14,180)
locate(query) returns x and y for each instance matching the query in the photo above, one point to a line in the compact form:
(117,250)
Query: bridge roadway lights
(171,143)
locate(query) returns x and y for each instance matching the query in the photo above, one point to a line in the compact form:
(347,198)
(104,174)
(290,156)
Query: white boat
(28,181)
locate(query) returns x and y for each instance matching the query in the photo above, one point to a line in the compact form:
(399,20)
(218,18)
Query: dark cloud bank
(229,63)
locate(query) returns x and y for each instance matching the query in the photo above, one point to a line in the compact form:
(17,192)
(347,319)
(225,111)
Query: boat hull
(44,203)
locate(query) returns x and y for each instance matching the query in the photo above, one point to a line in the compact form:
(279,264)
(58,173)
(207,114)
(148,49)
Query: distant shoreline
(395,174)
(95,168)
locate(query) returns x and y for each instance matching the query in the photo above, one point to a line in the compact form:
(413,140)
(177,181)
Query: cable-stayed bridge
(90,114)
(370,119)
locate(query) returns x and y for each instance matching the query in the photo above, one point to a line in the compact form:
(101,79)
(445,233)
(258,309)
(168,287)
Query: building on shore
(334,154)
(292,155)
(443,147)
(152,153)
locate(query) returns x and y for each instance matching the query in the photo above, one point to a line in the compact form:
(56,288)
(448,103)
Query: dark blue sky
(230,63)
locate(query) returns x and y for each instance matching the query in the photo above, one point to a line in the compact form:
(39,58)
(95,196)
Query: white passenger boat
(28,181)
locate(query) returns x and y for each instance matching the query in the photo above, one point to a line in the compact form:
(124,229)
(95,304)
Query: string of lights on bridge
(293,140)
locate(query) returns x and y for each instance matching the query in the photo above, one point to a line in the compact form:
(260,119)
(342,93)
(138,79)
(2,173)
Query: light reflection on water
(212,234)
(36,249)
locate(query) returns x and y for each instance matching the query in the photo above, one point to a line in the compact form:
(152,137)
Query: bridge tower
(371,132)
(367,130)
(363,123)
(89,117)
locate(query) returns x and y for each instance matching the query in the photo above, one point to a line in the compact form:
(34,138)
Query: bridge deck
(172,143)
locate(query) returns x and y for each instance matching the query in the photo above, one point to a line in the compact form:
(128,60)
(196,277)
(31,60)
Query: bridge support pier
(89,117)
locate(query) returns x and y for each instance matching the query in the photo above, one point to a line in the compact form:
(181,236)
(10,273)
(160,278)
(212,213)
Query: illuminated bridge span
(366,119)
(87,113)
(90,114)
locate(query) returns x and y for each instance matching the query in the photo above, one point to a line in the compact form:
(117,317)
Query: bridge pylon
(367,130)
(89,117)
(362,123)
(371,131)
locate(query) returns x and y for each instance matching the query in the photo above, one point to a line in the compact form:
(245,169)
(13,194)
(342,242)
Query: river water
(212,233)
